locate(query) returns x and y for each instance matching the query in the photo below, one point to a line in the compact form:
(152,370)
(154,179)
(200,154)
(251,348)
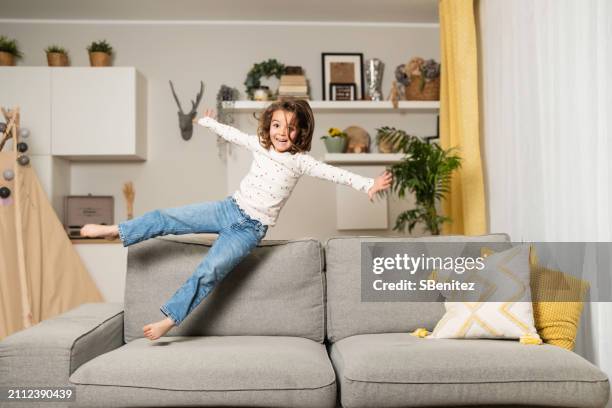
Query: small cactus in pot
(100,53)
(56,56)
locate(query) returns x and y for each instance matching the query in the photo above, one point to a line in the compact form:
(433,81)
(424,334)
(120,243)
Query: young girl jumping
(284,135)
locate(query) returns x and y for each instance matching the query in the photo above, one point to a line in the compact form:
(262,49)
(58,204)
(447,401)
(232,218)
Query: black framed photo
(342,92)
(342,68)
(432,139)
(436,138)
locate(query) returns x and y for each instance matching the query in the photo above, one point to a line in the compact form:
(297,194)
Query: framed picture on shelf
(432,139)
(342,92)
(342,68)
(436,138)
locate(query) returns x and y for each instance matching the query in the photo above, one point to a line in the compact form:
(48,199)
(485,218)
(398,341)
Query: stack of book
(293,86)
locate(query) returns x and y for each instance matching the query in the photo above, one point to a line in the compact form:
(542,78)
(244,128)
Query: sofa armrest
(48,353)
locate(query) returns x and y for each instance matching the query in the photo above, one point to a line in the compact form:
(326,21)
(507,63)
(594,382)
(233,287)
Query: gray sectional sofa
(287,328)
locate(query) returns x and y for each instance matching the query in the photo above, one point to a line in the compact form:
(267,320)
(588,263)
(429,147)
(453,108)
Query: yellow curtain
(459,118)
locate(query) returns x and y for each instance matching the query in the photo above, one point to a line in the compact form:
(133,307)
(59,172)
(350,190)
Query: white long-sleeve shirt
(273,175)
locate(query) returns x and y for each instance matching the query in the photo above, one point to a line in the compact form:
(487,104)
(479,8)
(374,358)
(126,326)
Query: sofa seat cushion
(399,370)
(210,371)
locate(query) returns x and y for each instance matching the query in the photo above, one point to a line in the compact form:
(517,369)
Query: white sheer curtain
(546,69)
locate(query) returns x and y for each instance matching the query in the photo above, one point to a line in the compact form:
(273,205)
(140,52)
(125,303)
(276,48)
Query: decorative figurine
(129,193)
(186,119)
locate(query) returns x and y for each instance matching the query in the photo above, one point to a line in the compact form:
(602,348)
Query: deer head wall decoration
(186,119)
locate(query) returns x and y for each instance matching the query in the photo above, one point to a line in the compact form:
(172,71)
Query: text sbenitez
(424,284)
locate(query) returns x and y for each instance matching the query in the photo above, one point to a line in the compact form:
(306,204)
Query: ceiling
(368,11)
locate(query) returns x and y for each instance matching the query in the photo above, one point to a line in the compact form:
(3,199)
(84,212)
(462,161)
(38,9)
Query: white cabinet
(98,113)
(354,210)
(79,113)
(30,89)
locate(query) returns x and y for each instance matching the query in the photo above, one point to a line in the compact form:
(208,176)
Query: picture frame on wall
(342,68)
(342,92)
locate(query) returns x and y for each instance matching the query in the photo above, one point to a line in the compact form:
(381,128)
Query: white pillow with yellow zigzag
(502,308)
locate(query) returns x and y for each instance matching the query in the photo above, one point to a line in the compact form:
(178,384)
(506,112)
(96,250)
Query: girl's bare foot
(100,231)
(154,331)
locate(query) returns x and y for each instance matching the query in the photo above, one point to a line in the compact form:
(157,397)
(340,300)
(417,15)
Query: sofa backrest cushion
(277,290)
(348,315)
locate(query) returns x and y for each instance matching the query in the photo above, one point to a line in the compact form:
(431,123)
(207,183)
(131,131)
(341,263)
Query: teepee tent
(41,275)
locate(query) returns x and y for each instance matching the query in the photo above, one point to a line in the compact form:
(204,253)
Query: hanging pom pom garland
(8,174)
(23,160)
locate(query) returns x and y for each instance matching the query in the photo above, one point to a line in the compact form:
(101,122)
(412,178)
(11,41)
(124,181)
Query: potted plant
(335,140)
(426,172)
(56,56)
(265,69)
(9,52)
(100,53)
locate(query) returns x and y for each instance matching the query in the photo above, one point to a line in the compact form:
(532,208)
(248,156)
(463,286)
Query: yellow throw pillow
(557,302)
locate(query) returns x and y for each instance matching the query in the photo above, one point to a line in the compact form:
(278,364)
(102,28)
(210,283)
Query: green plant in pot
(426,172)
(266,69)
(100,53)
(56,56)
(335,140)
(9,51)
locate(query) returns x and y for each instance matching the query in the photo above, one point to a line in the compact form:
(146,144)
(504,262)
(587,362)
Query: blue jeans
(238,235)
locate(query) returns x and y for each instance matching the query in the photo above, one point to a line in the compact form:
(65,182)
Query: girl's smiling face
(283,132)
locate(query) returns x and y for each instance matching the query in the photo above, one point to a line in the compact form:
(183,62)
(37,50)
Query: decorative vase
(7,59)
(57,59)
(335,144)
(99,59)
(261,94)
(374,71)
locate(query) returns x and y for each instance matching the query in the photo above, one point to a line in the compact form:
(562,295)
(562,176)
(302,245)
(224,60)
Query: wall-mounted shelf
(414,106)
(363,158)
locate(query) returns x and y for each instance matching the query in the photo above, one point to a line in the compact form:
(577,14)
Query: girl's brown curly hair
(303,120)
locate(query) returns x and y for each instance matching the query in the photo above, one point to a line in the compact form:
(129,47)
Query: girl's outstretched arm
(315,168)
(229,133)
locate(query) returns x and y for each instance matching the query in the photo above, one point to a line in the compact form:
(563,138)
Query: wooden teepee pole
(10,124)
(23,280)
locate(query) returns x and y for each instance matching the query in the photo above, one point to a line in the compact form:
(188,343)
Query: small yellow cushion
(557,302)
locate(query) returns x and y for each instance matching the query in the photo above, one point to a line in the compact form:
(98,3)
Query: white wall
(178,172)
